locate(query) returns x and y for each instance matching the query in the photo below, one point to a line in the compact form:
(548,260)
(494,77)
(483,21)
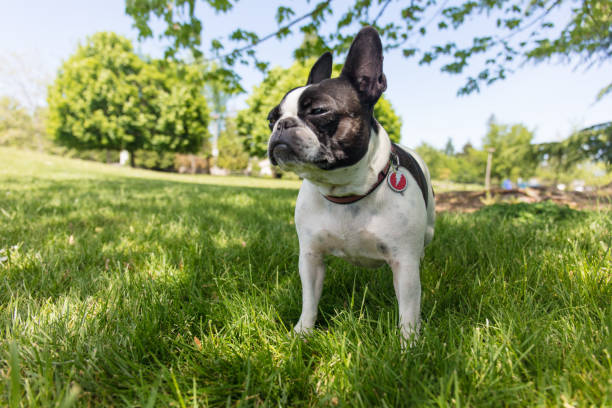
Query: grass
(130,288)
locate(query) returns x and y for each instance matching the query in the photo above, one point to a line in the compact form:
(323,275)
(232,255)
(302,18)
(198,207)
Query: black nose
(287,123)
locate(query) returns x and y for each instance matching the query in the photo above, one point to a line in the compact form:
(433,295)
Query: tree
(218,95)
(514,155)
(106,97)
(24,78)
(467,167)
(593,143)
(16,125)
(232,155)
(436,161)
(253,126)
(516,32)
(449,149)
(471,165)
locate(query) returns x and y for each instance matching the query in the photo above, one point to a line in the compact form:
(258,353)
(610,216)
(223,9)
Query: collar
(354,198)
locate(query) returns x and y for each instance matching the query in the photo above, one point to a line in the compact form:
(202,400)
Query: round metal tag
(398,179)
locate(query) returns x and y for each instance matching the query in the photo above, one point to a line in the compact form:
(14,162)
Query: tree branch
(532,22)
(380,13)
(274,34)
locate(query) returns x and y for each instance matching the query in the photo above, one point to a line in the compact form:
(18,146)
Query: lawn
(131,288)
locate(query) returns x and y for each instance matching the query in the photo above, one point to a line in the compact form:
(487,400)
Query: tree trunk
(132,158)
(193,163)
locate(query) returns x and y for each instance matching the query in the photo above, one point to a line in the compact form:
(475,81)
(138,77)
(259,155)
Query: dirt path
(469,201)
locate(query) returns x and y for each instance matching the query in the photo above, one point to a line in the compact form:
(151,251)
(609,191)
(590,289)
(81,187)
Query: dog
(362,198)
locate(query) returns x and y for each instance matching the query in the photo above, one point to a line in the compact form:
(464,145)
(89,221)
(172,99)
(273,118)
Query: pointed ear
(364,66)
(321,70)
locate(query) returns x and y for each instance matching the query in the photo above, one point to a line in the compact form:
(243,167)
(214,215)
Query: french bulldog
(363,198)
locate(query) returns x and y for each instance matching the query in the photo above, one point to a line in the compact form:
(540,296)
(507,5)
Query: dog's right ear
(321,70)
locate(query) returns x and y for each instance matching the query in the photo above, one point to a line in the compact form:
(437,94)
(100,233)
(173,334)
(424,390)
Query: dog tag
(398,179)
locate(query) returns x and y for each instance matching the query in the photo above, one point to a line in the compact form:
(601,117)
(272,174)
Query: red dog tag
(397,180)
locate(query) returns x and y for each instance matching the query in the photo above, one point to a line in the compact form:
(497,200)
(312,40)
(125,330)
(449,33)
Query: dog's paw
(303,329)
(408,337)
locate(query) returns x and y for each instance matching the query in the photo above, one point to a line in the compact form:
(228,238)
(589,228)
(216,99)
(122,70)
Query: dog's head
(325,124)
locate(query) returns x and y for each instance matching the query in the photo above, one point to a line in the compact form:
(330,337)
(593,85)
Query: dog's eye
(318,111)
(271,121)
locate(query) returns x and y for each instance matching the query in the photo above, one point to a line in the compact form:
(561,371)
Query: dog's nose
(287,123)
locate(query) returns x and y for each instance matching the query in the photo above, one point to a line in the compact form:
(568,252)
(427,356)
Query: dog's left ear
(321,70)
(364,66)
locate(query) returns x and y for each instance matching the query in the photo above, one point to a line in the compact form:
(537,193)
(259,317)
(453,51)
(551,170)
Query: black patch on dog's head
(337,111)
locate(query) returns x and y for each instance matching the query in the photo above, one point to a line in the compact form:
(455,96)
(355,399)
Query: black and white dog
(363,198)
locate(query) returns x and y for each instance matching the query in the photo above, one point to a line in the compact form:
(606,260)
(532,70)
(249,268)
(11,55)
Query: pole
(490,151)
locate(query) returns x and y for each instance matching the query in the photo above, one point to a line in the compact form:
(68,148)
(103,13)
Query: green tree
(436,161)
(232,155)
(449,149)
(19,127)
(465,167)
(106,97)
(515,31)
(16,125)
(471,165)
(253,126)
(591,144)
(388,118)
(595,142)
(514,155)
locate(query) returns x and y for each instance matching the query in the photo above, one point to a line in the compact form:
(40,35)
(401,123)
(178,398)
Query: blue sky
(551,99)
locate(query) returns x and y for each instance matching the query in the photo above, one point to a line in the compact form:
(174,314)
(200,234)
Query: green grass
(130,288)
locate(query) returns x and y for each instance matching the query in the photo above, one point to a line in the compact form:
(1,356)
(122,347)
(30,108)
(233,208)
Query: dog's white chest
(366,233)
(362,246)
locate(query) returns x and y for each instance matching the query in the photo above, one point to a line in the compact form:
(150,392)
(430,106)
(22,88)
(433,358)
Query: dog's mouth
(281,152)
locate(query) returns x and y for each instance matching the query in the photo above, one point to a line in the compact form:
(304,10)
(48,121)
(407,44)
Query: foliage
(388,119)
(591,144)
(103,156)
(126,287)
(232,155)
(449,148)
(19,128)
(514,155)
(106,97)
(516,31)
(586,173)
(595,142)
(465,167)
(155,160)
(253,126)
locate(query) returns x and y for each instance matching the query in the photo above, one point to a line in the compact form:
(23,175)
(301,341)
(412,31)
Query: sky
(552,99)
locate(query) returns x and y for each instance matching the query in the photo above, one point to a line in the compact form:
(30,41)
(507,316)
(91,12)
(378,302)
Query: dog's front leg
(407,284)
(312,272)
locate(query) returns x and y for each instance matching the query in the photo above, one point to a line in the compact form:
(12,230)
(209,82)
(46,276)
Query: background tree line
(584,155)
(107,98)
(513,33)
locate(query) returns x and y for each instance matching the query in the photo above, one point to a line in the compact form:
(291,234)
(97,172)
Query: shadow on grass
(82,228)
(159,264)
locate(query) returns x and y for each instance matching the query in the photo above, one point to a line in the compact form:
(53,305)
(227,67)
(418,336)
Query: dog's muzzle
(280,146)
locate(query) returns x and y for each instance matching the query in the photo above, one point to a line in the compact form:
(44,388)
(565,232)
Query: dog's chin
(282,154)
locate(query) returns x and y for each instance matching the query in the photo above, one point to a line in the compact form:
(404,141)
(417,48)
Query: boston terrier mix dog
(363,198)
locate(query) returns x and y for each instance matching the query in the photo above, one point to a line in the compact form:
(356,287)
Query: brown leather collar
(353,198)
(397,157)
